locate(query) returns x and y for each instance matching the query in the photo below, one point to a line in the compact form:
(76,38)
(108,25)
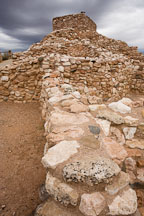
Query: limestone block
(77,108)
(4,78)
(105,125)
(60,153)
(126,204)
(114,150)
(119,107)
(129,132)
(110,116)
(122,181)
(61,191)
(135,143)
(92,204)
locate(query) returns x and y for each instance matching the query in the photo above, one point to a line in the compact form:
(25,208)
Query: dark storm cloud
(23,22)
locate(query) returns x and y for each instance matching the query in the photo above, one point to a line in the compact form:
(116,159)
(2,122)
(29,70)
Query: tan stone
(126,204)
(121,182)
(60,153)
(143,113)
(77,108)
(135,143)
(61,191)
(113,149)
(92,204)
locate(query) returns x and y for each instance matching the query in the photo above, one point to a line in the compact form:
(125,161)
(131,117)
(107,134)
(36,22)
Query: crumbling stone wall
(0,57)
(21,82)
(76,21)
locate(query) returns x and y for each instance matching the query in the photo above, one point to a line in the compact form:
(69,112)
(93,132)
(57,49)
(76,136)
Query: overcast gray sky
(23,22)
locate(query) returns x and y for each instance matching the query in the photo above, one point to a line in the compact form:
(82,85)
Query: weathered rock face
(126,204)
(92,204)
(61,191)
(60,153)
(91,172)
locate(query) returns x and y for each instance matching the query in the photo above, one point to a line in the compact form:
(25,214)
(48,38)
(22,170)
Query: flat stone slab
(60,153)
(135,144)
(119,107)
(64,118)
(91,172)
(110,116)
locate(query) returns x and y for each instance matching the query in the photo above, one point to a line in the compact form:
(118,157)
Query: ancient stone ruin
(94,154)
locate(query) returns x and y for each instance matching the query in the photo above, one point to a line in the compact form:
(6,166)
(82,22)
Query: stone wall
(21,82)
(76,21)
(0,57)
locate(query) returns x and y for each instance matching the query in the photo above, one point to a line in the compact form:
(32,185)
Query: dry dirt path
(21,148)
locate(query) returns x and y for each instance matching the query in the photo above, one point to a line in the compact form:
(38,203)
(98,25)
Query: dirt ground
(21,149)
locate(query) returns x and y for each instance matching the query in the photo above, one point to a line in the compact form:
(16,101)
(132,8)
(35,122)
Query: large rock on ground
(91,172)
(92,204)
(60,153)
(110,116)
(119,107)
(60,191)
(126,204)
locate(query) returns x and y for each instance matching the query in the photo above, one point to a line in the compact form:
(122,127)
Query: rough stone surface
(61,191)
(77,108)
(119,107)
(94,129)
(92,204)
(130,121)
(125,204)
(126,101)
(129,132)
(105,125)
(110,116)
(117,135)
(140,174)
(135,144)
(92,172)
(114,149)
(59,118)
(96,107)
(122,181)
(60,153)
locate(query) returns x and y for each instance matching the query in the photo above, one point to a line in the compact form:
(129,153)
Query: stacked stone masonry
(94,148)
(76,21)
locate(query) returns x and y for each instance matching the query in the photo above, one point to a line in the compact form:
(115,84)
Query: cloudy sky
(23,22)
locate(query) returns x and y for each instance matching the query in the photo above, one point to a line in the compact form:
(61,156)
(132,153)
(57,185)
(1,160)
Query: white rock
(67,86)
(93,108)
(131,121)
(60,153)
(105,125)
(119,107)
(129,132)
(126,101)
(4,78)
(61,69)
(92,204)
(76,94)
(125,204)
